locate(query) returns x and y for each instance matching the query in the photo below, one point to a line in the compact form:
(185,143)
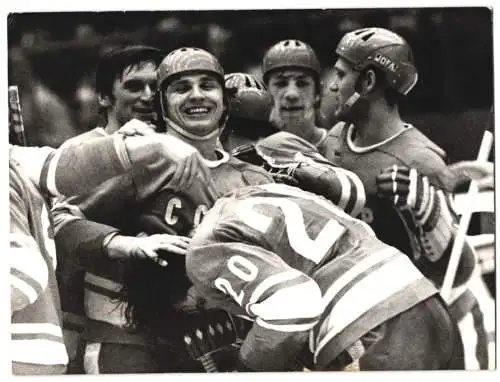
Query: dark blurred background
(52,58)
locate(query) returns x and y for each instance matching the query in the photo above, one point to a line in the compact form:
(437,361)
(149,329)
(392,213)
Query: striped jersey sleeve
(342,187)
(260,283)
(36,334)
(29,271)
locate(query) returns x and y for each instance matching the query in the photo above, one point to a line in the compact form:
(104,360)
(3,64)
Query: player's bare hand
(147,247)
(135,127)
(186,171)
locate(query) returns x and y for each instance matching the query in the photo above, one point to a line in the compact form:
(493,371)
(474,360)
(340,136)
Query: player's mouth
(197,111)
(291,109)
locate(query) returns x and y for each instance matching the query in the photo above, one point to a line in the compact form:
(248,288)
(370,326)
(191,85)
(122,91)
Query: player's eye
(338,73)
(209,84)
(280,83)
(134,86)
(303,82)
(180,87)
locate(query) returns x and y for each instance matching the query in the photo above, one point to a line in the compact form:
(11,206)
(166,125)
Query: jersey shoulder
(337,130)
(416,150)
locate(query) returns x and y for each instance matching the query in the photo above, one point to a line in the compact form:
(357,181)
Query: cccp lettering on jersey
(174,205)
(385,61)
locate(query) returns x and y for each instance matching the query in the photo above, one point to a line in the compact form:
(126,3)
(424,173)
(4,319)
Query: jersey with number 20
(299,267)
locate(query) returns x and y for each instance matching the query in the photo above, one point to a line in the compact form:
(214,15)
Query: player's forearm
(83,240)
(437,233)
(77,168)
(343,188)
(151,160)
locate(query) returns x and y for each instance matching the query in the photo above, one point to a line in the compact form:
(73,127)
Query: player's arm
(283,302)
(312,172)
(153,160)
(29,273)
(342,187)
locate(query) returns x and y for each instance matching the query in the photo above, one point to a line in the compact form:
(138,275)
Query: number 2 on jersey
(300,241)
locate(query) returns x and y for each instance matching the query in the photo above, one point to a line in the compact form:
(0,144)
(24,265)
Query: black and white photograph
(291,190)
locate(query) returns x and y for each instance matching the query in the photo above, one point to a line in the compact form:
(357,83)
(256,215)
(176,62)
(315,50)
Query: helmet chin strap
(189,135)
(350,102)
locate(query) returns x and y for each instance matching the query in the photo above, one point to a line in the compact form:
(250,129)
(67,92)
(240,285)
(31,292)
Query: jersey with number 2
(257,253)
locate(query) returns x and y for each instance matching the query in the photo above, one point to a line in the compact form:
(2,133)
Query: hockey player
(288,157)
(291,72)
(35,173)
(126,84)
(37,345)
(305,272)
(250,106)
(194,104)
(401,169)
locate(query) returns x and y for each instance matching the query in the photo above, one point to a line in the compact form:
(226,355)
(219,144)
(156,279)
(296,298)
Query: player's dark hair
(152,295)
(113,61)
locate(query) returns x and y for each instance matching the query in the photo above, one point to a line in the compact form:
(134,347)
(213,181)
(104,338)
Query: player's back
(303,229)
(261,250)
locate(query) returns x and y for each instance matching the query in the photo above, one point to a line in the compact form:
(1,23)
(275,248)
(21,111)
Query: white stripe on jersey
(374,288)
(38,351)
(216,163)
(25,288)
(102,282)
(285,327)
(291,303)
(45,328)
(272,281)
(345,189)
(360,192)
(355,271)
(51,174)
(29,261)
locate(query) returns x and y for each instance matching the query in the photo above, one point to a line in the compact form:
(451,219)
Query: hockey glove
(423,207)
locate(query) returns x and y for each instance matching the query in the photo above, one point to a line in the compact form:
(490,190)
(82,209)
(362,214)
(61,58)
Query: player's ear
(104,101)
(368,82)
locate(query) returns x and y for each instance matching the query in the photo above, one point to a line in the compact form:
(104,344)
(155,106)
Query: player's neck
(308,131)
(380,125)
(112,126)
(207,148)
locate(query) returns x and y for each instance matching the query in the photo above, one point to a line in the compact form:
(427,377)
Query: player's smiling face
(133,94)
(195,102)
(342,85)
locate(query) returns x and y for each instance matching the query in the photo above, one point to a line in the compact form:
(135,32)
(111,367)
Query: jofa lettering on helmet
(385,61)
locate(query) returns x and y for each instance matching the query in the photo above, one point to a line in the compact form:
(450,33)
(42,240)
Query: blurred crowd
(52,58)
